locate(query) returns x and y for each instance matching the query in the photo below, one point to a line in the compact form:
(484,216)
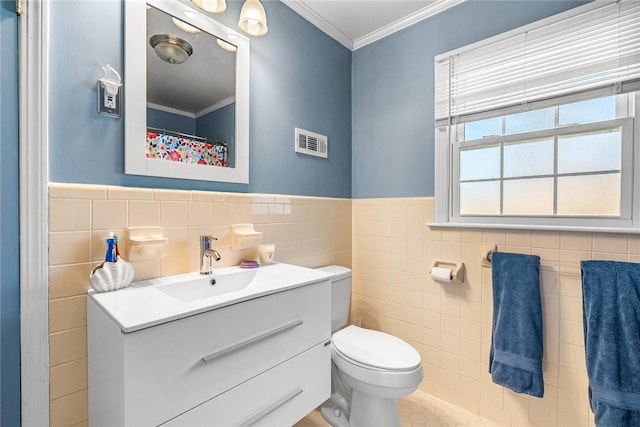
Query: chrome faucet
(207,254)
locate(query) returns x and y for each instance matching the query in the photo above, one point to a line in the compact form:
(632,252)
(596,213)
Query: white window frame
(626,169)
(447,156)
(447,181)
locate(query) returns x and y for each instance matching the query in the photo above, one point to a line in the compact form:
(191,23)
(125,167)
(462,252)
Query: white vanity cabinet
(262,361)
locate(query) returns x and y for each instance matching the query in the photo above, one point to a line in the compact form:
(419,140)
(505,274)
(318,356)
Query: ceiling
(353,23)
(206,81)
(356,23)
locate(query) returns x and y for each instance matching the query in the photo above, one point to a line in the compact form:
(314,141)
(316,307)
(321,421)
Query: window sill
(520,227)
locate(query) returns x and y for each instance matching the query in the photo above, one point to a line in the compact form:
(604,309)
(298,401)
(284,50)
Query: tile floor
(419,410)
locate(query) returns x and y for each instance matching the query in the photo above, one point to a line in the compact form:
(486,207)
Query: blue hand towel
(515,359)
(611,314)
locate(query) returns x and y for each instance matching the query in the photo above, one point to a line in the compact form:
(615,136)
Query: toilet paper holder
(457,270)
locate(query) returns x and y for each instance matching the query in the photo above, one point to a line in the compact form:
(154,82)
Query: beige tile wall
(392,251)
(309,231)
(451,324)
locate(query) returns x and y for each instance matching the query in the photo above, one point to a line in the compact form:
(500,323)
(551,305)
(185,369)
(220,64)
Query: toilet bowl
(370,369)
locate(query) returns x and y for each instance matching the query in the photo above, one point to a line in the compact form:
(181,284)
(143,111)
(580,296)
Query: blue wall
(170,121)
(376,105)
(9,220)
(294,63)
(218,125)
(393,92)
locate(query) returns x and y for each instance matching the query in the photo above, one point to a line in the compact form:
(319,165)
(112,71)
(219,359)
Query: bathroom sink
(154,301)
(209,285)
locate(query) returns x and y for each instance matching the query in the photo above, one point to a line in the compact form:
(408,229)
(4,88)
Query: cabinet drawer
(278,397)
(171,368)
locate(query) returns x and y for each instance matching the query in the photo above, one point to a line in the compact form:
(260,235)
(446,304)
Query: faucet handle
(205,241)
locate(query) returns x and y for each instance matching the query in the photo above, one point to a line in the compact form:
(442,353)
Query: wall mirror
(186,100)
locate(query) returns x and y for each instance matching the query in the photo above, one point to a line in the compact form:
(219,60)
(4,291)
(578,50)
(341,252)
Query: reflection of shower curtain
(186,150)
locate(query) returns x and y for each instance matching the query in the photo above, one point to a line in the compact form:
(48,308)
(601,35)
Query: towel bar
(487,253)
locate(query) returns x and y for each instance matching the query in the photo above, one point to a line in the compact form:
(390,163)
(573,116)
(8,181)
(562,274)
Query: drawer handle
(269,409)
(259,337)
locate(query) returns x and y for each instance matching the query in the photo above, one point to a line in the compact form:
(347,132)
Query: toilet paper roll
(441,274)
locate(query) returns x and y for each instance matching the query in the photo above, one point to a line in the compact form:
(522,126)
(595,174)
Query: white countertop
(143,304)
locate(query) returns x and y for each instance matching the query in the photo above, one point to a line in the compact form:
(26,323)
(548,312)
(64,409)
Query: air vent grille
(311,143)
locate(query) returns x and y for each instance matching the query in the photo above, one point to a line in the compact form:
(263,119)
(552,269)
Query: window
(529,133)
(546,162)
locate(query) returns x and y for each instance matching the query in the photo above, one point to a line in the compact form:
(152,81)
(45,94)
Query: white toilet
(369,369)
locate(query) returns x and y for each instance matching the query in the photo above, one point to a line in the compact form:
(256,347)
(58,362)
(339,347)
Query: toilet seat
(403,372)
(375,350)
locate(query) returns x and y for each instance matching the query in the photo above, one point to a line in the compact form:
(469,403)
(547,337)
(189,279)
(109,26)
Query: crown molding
(313,17)
(218,105)
(214,107)
(171,110)
(310,15)
(426,12)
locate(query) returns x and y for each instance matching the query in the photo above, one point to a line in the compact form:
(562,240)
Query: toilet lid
(338,271)
(375,348)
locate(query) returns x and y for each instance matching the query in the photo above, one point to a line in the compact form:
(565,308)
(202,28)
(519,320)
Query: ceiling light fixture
(170,48)
(186,27)
(213,6)
(226,45)
(253,19)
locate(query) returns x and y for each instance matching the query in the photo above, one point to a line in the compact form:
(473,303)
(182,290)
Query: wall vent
(311,143)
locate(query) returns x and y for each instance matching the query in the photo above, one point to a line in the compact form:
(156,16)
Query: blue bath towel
(611,314)
(515,359)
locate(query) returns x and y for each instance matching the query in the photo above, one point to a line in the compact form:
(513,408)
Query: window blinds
(598,48)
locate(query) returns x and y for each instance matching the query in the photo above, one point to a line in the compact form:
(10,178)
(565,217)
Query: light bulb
(253,26)
(186,27)
(213,6)
(253,19)
(226,45)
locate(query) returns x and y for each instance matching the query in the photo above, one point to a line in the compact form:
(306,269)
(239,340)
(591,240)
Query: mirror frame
(135,95)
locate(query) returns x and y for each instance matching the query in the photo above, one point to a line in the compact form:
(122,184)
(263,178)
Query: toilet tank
(340,294)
